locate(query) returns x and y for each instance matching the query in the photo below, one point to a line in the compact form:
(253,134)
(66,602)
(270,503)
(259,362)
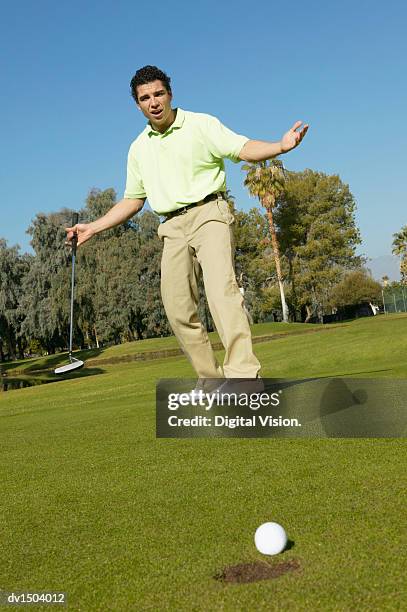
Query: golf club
(74,364)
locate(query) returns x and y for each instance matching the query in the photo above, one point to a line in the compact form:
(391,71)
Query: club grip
(75,219)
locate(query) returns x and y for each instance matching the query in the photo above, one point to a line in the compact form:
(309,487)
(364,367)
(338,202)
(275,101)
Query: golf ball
(270,539)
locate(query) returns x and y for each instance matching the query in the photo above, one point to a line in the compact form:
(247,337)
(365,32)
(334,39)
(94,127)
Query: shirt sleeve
(222,141)
(134,182)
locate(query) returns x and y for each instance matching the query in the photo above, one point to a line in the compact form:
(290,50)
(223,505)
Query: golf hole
(258,570)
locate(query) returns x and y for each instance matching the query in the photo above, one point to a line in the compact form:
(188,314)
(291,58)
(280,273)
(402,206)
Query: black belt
(185,209)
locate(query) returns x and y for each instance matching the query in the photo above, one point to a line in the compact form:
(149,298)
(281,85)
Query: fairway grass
(94,505)
(149,345)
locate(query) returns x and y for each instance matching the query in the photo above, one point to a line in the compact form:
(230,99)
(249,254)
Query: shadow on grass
(21,382)
(352,374)
(91,356)
(46,363)
(350,407)
(374,409)
(290,545)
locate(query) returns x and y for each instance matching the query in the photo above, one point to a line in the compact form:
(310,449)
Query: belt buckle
(183,211)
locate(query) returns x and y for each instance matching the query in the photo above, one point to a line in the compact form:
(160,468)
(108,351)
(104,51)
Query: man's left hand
(292,138)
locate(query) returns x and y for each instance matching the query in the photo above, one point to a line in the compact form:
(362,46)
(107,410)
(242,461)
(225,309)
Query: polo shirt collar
(179,120)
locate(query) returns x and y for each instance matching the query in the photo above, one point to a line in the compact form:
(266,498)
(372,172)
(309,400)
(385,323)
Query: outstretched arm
(259,150)
(119,213)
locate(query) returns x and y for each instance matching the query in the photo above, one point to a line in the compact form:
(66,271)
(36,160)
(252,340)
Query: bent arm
(119,213)
(260,150)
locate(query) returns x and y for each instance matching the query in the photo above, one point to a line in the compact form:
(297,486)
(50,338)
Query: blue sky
(67,117)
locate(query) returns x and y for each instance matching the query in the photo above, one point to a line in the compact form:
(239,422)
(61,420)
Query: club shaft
(72,297)
(75,219)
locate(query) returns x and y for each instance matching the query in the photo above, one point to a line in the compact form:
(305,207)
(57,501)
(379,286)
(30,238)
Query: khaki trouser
(202,239)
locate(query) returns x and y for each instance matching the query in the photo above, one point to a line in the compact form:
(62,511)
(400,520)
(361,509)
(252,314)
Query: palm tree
(400,249)
(265,180)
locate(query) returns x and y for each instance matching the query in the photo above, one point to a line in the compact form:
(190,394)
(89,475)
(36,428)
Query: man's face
(155,103)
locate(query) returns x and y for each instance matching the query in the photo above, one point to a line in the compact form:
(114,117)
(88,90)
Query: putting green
(94,505)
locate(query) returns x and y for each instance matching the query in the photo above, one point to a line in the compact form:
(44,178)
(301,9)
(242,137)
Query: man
(177,163)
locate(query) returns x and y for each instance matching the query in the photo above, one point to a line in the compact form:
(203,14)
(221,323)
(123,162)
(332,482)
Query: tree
(318,235)
(400,249)
(119,284)
(356,287)
(255,267)
(265,180)
(45,293)
(148,307)
(13,268)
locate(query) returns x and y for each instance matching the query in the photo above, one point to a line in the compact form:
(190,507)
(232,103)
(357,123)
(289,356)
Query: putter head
(69,367)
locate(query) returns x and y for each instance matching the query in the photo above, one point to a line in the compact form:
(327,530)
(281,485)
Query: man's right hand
(84,232)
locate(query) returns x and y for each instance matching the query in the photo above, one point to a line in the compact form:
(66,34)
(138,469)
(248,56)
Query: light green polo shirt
(182,165)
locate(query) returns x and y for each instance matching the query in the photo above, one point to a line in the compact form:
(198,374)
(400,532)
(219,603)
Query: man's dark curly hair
(148,74)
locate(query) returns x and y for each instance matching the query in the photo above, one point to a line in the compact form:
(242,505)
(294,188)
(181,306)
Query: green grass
(129,349)
(93,504)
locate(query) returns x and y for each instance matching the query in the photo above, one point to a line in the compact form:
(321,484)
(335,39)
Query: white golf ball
(270,539)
